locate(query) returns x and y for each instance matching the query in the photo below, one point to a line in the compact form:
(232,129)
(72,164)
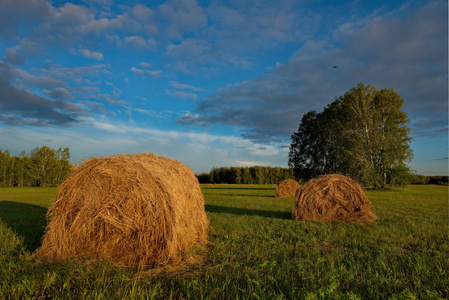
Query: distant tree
(225,175)
(5,161)
(24,176)
(19,172)
(204,178)
(258,174)
(235,175)
(42,167)
(419,179)
(63,166)
(215,175)
(305,154)
(247,178)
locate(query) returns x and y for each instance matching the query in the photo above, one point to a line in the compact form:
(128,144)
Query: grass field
(256,252)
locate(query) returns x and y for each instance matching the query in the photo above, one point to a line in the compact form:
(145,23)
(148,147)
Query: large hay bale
(332,198)
(287,188)
(133,210)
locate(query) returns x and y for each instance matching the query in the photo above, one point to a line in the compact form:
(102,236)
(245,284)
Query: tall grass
(256,252)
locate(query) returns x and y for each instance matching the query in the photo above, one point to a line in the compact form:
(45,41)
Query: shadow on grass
(248,212)
(240,195)
(26,220)
(240,188)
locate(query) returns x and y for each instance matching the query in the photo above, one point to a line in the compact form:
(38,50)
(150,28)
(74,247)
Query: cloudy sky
(213,83)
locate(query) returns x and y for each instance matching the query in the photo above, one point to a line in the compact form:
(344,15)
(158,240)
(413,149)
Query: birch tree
(362,134)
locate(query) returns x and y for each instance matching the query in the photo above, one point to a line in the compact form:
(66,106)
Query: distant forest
(41,167)
(421,179)
(274,175)
(246,175)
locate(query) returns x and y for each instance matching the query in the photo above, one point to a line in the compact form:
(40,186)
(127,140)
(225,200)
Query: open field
(256,252)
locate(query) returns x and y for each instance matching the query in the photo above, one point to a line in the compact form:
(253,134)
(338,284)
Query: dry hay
(132,210)
(287,188)
(332,198)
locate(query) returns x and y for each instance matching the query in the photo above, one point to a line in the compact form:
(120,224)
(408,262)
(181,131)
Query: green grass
(256,252)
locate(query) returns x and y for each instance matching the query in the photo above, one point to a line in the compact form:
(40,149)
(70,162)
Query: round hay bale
(332,198)
(132,210)
(287,188)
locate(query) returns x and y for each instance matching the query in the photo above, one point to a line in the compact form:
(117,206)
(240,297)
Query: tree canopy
(362,134)
(41,167)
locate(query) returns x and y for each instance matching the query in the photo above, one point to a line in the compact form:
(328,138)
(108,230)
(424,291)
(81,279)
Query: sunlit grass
(256,251)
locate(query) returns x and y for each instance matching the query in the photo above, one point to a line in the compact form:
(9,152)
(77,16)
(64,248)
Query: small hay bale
(132,210)
(332,198)
(287,188)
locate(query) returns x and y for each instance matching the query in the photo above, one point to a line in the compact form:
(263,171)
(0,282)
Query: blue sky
(213,83)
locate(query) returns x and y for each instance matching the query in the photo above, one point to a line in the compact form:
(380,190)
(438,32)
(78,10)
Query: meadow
(256,251)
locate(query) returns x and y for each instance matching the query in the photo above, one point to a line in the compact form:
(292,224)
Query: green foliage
(204,178)
(256,252)
(246,175)
(418,179)
(441,180)
(42,167)
(363,134)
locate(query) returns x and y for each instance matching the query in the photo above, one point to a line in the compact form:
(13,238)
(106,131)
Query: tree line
(246,175)
(421,179)
(362,134)
(41,167)
(48,167)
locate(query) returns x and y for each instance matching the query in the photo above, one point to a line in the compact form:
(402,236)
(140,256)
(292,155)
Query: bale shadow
(246,195)
(26,220)
(242,188)
(247,212)
(241,195)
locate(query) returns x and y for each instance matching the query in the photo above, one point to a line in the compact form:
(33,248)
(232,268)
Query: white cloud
(14,57)
(189,48)
(136,41)
(18,106)
(152,73)
(103,3)
(107,127)
(42,81)
(59,94)
(77,75)
(183,86)
(181,94)
(99,26)
(91,54)
(15,15)
(183,16)
(145,65)
(142,13)
(72,15)
(242,163)
(182,91)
